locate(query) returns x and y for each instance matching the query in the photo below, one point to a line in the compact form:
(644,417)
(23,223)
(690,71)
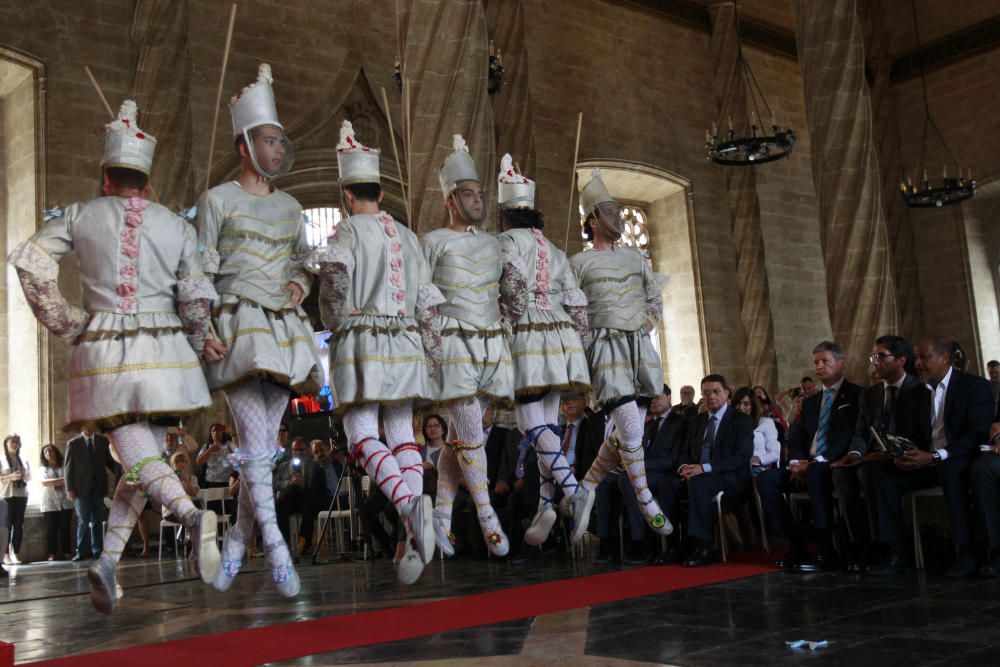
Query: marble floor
(913,619)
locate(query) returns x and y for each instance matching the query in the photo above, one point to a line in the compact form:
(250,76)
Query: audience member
(494,436)
(3,536)
(766,448)
(716,458)
(56,506)
(893,406)
(300,487)
(986,482)
(15,473)
(771,410)
(88,457)
(179,441)
(664,440)
(820,437)
(993,373)
(213,460)
(687,408)
(960,412)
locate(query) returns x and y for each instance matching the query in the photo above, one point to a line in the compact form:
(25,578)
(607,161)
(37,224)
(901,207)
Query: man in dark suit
(986,483)
(890,406)
(664,442)
(716,457)
(88,457)
(820,436)
(494,437)
(959,407)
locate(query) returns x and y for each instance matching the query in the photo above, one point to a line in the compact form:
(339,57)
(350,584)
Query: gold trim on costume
(368,358)
(230,249)
(130,368)
(546,352)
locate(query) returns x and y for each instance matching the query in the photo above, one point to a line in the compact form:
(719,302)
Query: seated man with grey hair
(821,436)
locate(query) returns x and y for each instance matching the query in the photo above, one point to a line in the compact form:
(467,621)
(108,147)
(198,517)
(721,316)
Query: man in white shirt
(959,414)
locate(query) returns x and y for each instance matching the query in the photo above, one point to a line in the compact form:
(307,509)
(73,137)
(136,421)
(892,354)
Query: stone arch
(666,197)
(28,388)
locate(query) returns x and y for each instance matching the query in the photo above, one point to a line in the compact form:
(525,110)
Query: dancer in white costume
(253,243)
(378,301)
(475,361)
(548,313)
(623,307)
(136,341)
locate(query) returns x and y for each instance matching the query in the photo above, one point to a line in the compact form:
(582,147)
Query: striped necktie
(825,412)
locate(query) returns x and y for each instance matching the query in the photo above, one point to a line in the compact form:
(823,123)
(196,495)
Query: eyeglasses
(880,356)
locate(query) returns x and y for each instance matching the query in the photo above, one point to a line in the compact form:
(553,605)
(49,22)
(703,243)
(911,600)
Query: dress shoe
(992,568)
(528,554)
(638,559)
(857,567)
(890,566)
(603,555)
(702,556)
(964,567)
(77,557)
(821,562)
(671,556)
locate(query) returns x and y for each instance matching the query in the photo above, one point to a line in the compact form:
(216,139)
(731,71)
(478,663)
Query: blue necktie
(825,411)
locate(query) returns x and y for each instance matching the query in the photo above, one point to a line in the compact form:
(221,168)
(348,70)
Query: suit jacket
(731,450)
(666,444)
(968,413)
(85,471)
(843,424)
(910,421)
(588,442)
(494,449)
(507,464)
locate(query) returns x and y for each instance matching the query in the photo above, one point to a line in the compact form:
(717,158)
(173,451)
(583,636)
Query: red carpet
(294,640)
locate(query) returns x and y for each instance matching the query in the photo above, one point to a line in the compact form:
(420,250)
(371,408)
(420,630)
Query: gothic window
(636,235)
(320,223)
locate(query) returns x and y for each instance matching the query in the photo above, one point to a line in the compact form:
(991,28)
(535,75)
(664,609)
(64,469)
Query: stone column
(899,222)
(741,183)
(162,89)
(512,105)
(445,61)
(860,284)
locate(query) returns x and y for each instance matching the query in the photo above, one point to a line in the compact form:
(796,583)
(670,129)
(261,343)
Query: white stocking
(126,510)
(398,422)
(253,405)
(448,475)
(628,420)
(361,424)
(141,453)
(467,416)
(551,462)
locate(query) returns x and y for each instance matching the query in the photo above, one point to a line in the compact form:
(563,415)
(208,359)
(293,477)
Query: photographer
(214,465)
(300,486)
(14,476)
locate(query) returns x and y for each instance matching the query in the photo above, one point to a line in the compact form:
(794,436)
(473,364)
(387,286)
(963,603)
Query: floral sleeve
(513,281)
(654,284)
(37,263)
(426,313)
(336,267)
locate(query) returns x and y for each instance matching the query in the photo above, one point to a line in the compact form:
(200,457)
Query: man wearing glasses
(820,437)
(890,407)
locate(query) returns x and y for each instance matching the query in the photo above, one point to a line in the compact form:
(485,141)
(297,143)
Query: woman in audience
(14,476)
(766,448)
(771,409)
(56,506)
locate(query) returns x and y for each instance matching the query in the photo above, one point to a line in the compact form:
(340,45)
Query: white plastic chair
(342,514)
(177,527)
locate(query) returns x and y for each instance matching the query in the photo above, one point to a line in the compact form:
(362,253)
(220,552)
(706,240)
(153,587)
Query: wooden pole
(395,154)
(572,182)
(408,129)
(218,95)
(111,113)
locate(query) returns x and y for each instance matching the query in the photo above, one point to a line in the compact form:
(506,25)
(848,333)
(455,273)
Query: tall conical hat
(458,167)
(358,163)
(254,105)
(594,193)
(514,190)
(125,145)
